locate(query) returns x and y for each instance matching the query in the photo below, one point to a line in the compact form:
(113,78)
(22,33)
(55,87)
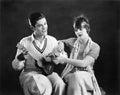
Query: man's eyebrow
(39,24)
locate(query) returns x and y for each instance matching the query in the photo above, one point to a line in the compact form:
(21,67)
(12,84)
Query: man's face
(41,27)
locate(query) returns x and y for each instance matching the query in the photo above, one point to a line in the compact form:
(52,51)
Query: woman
(78,72)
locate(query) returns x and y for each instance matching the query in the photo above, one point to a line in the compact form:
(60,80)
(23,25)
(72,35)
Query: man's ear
(32,28)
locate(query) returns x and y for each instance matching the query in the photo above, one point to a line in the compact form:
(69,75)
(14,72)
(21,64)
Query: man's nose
(43,27)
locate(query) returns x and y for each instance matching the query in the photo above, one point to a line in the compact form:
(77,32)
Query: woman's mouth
(79,35)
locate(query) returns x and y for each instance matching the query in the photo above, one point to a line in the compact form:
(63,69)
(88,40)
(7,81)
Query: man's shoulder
(27,38)
(51,37)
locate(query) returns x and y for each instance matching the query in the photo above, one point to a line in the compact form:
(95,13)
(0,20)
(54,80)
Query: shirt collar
(33,38)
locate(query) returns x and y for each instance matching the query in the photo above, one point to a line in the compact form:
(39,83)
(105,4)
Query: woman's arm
(77,62)
(90,57)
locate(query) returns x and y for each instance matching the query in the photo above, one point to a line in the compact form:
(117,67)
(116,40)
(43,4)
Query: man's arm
(18,62)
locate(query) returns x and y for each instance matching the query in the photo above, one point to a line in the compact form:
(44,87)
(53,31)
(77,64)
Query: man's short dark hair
(35,17)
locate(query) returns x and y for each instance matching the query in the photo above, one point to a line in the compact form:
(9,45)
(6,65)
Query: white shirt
(27,42)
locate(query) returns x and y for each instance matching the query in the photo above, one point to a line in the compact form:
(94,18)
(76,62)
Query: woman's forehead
(81,24)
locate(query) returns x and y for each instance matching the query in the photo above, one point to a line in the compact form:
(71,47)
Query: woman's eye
(45,23)
(75,30)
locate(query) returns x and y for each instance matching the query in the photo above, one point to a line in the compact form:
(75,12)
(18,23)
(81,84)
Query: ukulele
(48,64)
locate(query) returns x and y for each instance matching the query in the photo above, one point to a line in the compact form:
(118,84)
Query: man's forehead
(41,21)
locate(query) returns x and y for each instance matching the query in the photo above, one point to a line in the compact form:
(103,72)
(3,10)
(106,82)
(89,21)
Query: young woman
(78,72)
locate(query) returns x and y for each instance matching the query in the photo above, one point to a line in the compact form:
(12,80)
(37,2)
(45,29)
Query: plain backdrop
(104,16)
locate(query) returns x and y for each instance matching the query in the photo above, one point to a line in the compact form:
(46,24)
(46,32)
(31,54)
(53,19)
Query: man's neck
(40,38)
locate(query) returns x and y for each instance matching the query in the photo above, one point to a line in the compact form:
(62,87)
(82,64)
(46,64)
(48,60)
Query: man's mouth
(44,31)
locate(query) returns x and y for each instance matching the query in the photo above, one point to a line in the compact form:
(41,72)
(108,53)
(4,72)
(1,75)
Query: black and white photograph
(59,47)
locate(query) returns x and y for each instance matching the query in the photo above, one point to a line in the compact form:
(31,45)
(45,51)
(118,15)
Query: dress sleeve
(94,51)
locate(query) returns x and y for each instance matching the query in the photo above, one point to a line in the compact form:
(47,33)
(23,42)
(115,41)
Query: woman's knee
(71,78)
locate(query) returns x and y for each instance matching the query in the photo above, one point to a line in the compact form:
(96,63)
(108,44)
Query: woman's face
(41,27)
(81,33)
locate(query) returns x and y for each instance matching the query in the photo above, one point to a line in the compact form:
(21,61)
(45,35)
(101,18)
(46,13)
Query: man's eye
(38,25)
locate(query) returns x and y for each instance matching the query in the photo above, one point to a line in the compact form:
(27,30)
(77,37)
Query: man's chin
(45,33)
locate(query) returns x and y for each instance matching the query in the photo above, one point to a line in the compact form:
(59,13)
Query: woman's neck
(83,42)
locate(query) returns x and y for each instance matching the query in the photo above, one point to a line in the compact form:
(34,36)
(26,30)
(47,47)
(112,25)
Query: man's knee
(37,88)
(33,87)
(30,87)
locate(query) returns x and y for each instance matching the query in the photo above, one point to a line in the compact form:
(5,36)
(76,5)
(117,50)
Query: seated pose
(50,65)
(78,73)
(30,52)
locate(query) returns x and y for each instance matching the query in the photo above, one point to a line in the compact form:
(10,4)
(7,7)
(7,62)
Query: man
(29,56)
(78,72)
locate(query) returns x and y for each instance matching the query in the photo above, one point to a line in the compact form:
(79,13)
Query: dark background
(104,19)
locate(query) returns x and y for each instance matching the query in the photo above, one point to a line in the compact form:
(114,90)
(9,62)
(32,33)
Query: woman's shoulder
(95,47)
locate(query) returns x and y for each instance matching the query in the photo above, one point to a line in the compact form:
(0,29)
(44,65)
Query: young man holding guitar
(31,51)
